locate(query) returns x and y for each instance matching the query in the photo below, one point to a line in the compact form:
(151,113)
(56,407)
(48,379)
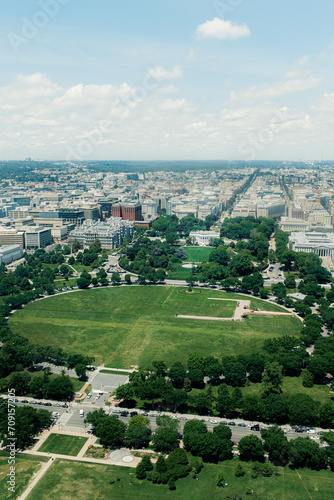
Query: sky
(167,80)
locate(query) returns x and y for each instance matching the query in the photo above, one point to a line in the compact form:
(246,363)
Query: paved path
(210,318)
(39,475)
(241,308)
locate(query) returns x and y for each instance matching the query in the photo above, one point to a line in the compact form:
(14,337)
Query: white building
(320,243)
(9,253)
(203,238)
(149,209)
(290,225)
(111,233)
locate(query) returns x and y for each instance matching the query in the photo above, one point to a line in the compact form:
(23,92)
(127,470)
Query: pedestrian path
(39,475)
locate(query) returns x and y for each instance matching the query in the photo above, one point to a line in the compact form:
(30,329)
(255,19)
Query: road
(70,419)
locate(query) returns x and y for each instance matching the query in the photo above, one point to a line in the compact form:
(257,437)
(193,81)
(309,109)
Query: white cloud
(159,73)
(42,119)
(169,89)
(218,28)
(275,89)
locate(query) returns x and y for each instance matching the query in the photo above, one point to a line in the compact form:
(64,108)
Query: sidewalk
(39,475)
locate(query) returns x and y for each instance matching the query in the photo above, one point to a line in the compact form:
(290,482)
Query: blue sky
(220,79)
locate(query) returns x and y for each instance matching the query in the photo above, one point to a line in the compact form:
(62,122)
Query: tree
(167,421)
(28,423)
(306,453)
(326,415)
(202,403)
(21,382)
(146,461)
(272,378)
(60,387)
(276,443)
(220,479)
(150,388)
(75,246)
(303,410)
(177,374)
(127,279)
(84,280)
(264,293)
(255,367)
(137,436)
(250,448)
(236,398)
(140,471)
(239,471)
(177,463)
(171,484)
(110,430)
(196,376)
(251,407)
(115,278)
(235,373)
(196,362)
(165,439)
(275,408)
(187,385)
(161,466)
(223,432)
(80,370)
(213,369)
(290,281)
(224,403)
(308,378)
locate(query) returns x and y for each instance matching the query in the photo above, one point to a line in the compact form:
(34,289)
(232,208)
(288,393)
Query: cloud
(275,89)
(159,73)
(222,30)
(42,119)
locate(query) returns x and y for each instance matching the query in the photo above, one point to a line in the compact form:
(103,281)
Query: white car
(213,421)
(310,431)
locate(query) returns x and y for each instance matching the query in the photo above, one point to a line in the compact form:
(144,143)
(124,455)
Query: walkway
(39,475)
(242,309)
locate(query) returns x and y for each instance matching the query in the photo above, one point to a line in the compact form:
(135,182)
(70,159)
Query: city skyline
(213,80)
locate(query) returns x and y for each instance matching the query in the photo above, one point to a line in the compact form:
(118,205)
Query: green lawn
(114,372)
(291,386)
(26,467)
(78,481)
(63,444)
(180,273)
(198,254)
(125,326)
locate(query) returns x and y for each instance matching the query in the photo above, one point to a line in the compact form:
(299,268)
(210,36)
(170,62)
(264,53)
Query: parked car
(222,423)
(124,413)
(24,401)
(241,425)
(231,423)
(47,404)
(133,413)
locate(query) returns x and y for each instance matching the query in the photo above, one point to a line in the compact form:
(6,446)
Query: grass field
(197,254)
(124,326)
(26,467)
(293,385)
(290,387)
(77,481)
(180,273)
(62,444)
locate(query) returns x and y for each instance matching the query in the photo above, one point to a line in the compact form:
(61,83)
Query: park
(131,326)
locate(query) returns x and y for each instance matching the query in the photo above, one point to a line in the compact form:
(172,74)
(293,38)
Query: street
(70,420)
